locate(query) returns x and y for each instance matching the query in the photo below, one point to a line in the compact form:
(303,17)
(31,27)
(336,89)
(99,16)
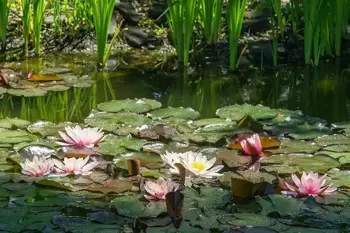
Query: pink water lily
(39,166)
(78,137)
(310,184)
(252,145)
(75,166)
(156,190)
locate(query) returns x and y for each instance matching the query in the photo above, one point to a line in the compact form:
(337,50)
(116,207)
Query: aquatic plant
(199,165)
(4,11)
(156,190)
(39,166)
(251,145)
(102,16)
(277,26)
(340,15)
(57,9)
(295,10)
(181,17)
(26,23)
(171,158)
(235,13)
(310,184)
(38,19)
(211,13)
(78,137)
(76,166)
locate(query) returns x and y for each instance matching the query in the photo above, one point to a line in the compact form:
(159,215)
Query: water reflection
(318,92)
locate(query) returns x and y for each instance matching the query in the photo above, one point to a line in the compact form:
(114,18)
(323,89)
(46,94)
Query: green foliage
(26,12)
(38,18)
(211,11)
(235,12)
(181,18)
(102,14)
(4,11)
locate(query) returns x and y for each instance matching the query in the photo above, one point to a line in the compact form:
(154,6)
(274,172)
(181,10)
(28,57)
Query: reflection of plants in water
(4,10)
(73,104)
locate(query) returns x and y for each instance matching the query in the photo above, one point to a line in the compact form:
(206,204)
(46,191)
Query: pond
(197,128)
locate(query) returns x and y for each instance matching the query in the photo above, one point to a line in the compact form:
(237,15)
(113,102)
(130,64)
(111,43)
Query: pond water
(140,131)
(322,92)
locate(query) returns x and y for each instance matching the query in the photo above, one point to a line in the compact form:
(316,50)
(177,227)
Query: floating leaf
(186,113)
(44,77)
(47,128)
(30,92)
(339,178)
(128,105)
(111,186)
(284,205)
(14,136)
(295,146)
(213,121)
(237,112)
(9,123)
(334,139)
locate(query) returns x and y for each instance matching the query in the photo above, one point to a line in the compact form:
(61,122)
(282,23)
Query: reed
(38,18)
(341,14)
(4,12)
(277,26)
(102,15)
(211,14)
(57,10)
(295,14)
(236,9)
(26,12)
(181,18)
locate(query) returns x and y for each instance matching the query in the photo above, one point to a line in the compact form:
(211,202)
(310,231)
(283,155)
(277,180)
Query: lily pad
(111,186)
(284,205)
(114,145)
(128,105)
(237,112)
(47,128)
(144,158)
(30,92)
(186,113)
(340,178)
(334,139)
(249,219)
(2,90)
(9,123)
(14,136)
(131,206)
(213,121)
(112,121)
(302,162)
(295,146)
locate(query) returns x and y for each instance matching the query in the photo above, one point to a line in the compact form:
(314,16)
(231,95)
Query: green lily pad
(128,105)
(339,178)
(4,177)
(250,219)
(302,131)
(30,92)
(9,123)
(2,90)
(332,154)
(295,146)
(186,113)
(112,121)
(237,112)
(145,158)
(337,148)
(212,122)
(39,142)
(145,172)
(47,128)
(334,139)
(284,205)
(131,206)
(14,136)
(302,162)
(114,145)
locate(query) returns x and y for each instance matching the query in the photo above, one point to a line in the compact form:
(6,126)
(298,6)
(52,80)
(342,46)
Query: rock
(49,20)
(157,9)
(135,37)
(256,25)
(257,13)
(128,12)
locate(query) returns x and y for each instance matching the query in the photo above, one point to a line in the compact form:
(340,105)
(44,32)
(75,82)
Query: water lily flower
(252,145)
(310,184)
(78,137)
(75,166)
(171,158)
(39,166)
(156,190)
(199,165)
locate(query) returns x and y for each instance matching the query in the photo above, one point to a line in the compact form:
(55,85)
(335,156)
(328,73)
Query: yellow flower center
(198,165)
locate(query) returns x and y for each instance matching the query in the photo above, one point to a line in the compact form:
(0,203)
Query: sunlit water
(318,92)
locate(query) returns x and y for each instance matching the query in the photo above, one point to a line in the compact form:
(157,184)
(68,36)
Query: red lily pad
(44,77)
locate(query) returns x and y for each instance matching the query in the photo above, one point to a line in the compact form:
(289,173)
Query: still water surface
(321,92)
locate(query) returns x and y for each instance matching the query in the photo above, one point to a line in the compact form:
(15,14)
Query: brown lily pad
(158,132)
(44,77)
(111,186)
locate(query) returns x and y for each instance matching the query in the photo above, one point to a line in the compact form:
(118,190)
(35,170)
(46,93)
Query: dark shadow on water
(318,92)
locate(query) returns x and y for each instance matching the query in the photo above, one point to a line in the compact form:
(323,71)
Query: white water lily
(78,137)
(194,162)
(199,165)
(171,158)
(39,166)
(156,190)
(75,166)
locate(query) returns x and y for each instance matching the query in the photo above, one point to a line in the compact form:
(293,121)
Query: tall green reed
(38,19)
(340,10)
(211,13)
(26,12)
(277,26)
(102,15)
(315,13)
(295,14)
(181,17)
(236,9)
(57,10)
(4,12)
